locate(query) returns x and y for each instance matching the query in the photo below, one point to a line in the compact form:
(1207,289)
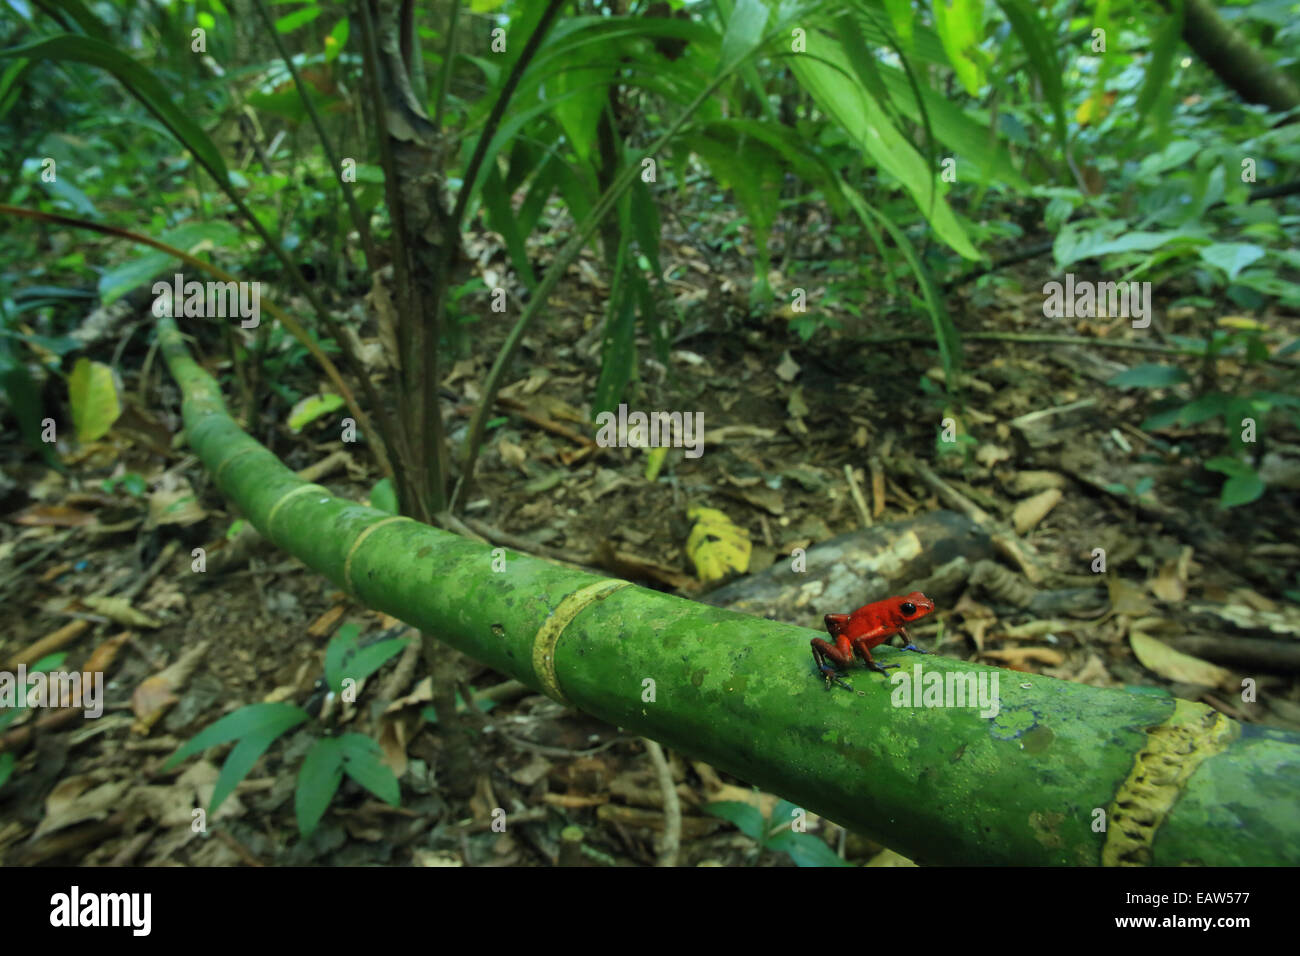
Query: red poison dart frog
(865,628)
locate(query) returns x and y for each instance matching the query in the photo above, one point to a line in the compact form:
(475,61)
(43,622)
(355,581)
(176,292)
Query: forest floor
(783,418)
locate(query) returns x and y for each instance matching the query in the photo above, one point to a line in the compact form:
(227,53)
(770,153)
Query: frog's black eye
(908,608)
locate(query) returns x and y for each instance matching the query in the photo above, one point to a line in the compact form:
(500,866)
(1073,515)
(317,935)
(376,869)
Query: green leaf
(1040,48)
(744,32)
(746,818)
(254,719)
(141,83)
(953,127)
(785,813)
(805,849)
(77,201)
(901,16)
(1149,376)
(6,767)
(363,762)
(318,781)
(191,236)
(1231,257)
(18,386)
(240,761)
(1208,406)
(1241,490)
(830,79)
(88,22)
(369,659)
(292,21)
(120,279)
(92,393)
(645,224)
(502,218)
(313,407)
(1079,241)
(959,24)
(337,40)
(383,497)
(1227,465)
(579,95)
(1166,43)
(48,663)
(750,168)
(618,356)
(1164,418)
(11,82)
(945,333)
(338,649)
(1176,154)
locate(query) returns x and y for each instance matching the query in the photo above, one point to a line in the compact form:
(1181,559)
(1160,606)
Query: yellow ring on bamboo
(548,636)
(216,476)
(366,532)
(300,490)
(1172,753)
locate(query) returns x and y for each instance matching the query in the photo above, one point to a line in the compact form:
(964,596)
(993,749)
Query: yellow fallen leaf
(92,393)
(715,545)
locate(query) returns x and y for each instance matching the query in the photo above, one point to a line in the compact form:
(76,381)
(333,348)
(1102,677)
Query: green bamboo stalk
(1177,782)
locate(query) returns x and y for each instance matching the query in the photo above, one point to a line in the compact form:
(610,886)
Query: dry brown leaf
(119,611)
(889,858)
(1127,598)
(574,801)
(512,454)
(421,857)
(989,454)
(324,625)
(787,369)
(977,628)
(767,499)
(1030,482)
(174,503)
(102,657)
(1159,658)
(796,406)
(1019,656)
(1031,511)
(202,779)
(55,516)
(156,694)
(394,734)
(166,806)
(74,800)
(1170,584)
(1093,672)
(1253,599)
